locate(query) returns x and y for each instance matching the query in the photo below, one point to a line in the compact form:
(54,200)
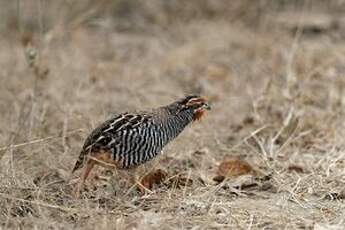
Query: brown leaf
(155,177)
(232,167)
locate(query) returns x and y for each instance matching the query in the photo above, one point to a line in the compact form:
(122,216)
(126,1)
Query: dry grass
(277,86)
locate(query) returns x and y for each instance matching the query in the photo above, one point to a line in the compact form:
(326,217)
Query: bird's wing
(108,130)
(111,127)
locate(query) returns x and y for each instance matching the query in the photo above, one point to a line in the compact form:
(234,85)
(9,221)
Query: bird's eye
(206,106)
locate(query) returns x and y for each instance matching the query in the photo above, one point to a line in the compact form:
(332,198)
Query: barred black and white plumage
(131,139)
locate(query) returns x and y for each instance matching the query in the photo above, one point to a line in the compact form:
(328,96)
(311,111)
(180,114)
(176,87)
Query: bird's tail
(80,161)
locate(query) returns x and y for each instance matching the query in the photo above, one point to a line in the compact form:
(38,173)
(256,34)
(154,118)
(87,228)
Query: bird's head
(194,103)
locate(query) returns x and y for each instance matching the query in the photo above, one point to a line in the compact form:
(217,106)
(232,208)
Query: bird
(131,139)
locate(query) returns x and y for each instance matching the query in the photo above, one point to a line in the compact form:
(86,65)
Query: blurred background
(99,57)
(273,67)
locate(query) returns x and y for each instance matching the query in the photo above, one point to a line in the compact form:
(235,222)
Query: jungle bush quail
(131,139)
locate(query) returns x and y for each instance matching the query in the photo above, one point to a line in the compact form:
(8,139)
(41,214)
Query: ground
(273,70)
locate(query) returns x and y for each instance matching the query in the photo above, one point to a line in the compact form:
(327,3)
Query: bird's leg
(86,171)
(139,180)
(147,179)
(152,176)
(132,175)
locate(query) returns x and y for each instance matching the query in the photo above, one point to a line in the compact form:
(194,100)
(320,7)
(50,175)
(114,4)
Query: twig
(38,140)
(290,78)
(39,203)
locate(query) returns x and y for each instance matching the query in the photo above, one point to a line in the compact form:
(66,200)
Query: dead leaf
(232,167)
(155,177)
